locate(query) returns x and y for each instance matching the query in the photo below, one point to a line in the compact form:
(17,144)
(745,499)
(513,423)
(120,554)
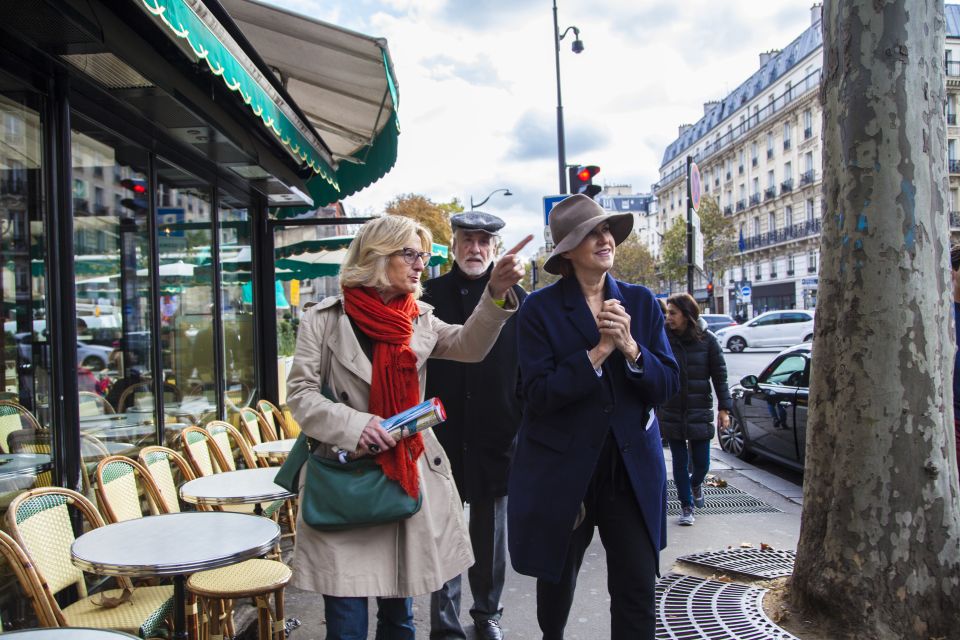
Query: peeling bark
(879,544)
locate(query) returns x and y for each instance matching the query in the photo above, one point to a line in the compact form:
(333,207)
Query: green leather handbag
(338,496)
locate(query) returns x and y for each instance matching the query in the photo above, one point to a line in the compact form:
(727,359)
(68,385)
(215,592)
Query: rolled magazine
(412,421)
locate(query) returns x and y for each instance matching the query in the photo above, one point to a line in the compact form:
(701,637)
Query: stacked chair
(275,418)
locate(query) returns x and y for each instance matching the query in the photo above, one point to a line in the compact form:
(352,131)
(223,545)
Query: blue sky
(478,88)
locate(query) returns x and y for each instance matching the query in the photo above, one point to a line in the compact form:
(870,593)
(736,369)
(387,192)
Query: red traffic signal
(581,180)
(710,288)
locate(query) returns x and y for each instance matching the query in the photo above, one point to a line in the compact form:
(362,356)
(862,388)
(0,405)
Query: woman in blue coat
(594,363)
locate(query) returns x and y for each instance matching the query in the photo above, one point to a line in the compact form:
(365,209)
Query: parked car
(91,356)
(770,329)
(770,410)
(717,321)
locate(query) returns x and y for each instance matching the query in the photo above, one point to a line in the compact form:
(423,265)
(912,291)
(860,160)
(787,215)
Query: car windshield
(786,372)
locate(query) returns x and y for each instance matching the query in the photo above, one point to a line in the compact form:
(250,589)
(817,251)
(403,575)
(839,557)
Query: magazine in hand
(427,414)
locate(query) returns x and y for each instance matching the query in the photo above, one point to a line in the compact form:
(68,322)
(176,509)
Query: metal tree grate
(690,608)
(719,500)
(757,563)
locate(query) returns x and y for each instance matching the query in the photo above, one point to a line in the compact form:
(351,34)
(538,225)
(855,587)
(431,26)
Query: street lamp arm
(576,32)
(506,192)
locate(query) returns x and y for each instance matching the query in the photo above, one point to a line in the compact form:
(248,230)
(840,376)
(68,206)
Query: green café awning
(344,84)
(191,22)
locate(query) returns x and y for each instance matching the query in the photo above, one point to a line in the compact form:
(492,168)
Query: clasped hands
(613,321)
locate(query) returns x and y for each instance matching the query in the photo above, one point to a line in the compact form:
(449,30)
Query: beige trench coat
(414,556)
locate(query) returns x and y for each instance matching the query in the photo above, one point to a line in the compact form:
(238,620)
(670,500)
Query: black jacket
(689,414)
(482,402)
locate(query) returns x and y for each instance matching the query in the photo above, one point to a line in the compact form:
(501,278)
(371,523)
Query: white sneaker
(686,519)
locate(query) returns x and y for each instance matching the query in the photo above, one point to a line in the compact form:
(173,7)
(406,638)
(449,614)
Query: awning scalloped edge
(252,95)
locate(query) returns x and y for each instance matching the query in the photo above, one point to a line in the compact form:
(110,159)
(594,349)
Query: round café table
(246,486)
(19,471)
(274,448)
(174,544)
(68,633)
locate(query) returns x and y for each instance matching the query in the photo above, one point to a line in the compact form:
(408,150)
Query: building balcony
(808,133)
(954,166)
(769,154)
(740,170)
(786,186)
(758,276)
(789,272)
(811,269)
(807,177)
(81,206)
(955,219)
(773,275)
(716,182)
(953,68)
(770,193)
(754,162)
(755,199)
(952,119)
(729,176)
(741,205)
(786,145)
(728,210)
(797,231)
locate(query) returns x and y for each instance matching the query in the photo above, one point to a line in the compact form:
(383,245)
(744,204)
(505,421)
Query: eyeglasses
(410,255)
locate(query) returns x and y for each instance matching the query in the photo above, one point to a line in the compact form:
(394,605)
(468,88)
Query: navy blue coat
(568,412)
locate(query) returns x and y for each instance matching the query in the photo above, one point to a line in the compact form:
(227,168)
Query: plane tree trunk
(879,547)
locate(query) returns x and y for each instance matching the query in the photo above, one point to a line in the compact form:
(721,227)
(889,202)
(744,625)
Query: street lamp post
(506,192)
(577,48)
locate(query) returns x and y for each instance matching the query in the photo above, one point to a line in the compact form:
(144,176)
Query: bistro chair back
(40,521)
(196,445)
(228,439)
(14,417)
(93,404)
(157,461)
(274,417)
(33,441)
(256,429)
(140,396)
(118,488)
(29,581)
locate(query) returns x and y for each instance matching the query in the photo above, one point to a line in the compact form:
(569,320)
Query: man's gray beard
(473,270)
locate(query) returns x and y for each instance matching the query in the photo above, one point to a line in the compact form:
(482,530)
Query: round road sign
(695,185)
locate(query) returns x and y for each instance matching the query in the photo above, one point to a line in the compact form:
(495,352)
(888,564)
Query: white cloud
(475,74)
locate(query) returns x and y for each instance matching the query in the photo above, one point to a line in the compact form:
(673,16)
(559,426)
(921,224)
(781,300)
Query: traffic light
(138,203)
(710,289)
(581,180)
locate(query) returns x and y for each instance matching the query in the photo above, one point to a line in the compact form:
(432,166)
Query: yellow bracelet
(500,302)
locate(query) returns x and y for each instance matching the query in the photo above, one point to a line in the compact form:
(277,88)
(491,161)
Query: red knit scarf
(395,385)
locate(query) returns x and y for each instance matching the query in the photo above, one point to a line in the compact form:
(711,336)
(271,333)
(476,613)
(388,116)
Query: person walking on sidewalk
(688,416)
(594,362)
(483,414)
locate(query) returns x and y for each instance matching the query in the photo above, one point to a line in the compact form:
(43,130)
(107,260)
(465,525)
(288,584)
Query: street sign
(549,202)
(809,283)
(745,294)
(694,186)
(697,242)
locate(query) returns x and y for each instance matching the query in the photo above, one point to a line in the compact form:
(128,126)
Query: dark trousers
(631,561)
(690,466)
(488,536)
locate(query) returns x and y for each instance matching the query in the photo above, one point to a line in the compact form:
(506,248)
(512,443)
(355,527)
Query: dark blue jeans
(347,618)
(683,475)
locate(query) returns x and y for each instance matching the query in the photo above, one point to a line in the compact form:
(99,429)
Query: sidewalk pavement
(590,615)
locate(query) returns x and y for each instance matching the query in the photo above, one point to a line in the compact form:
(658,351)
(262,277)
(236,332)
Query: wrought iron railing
(755,199)
(793,232)
(807,177)
(786,186)
(954,166)
(770,193)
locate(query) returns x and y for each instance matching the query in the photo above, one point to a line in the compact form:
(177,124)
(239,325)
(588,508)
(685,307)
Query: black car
(770,411)
(717,321)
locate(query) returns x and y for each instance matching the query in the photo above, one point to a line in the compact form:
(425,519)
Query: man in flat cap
(483,414)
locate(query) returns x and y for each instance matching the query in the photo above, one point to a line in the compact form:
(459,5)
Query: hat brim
(621,224)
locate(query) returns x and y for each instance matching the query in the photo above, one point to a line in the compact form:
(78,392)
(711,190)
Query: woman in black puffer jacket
(688,416)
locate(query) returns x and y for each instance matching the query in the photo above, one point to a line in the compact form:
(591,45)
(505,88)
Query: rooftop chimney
(816,13)
(766,56)
(708,106)
(683,129)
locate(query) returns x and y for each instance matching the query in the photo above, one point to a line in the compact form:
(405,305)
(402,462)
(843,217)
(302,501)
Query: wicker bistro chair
(140,395)
(252,578)
(29,581)
(255,427)
(275,418)
(14,417)
(118,489)
(92,404)
(39,521)
(193,442)
(157,461)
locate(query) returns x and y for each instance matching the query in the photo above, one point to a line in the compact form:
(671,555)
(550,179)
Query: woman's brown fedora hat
(573,218)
